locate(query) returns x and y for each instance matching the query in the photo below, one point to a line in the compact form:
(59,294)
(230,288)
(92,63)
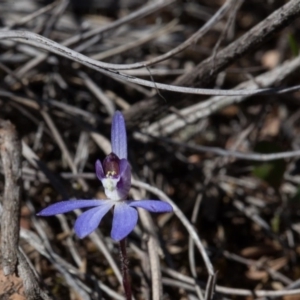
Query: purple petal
(88,221)
(124,221)
(118,136)
(66,206)
(152,205)
(124,183)
(99,170)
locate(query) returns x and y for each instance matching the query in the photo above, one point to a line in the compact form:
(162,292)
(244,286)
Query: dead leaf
(270,59)
(258,251)
(11,286)
(271,127)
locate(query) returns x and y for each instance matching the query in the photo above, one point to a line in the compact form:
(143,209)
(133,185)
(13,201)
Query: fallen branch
(14,260)
(10,149)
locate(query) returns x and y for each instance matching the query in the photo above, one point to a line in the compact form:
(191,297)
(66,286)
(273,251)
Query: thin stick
(41,42)
(234,154)
(124,266)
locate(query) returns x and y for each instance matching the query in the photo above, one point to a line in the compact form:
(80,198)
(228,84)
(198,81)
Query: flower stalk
(124,268)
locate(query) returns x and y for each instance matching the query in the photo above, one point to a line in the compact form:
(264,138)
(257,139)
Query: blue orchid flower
(115,175)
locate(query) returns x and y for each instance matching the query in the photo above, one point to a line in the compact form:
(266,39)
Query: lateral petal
(124,221)
(66,206)
(88,221)
(152,205)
